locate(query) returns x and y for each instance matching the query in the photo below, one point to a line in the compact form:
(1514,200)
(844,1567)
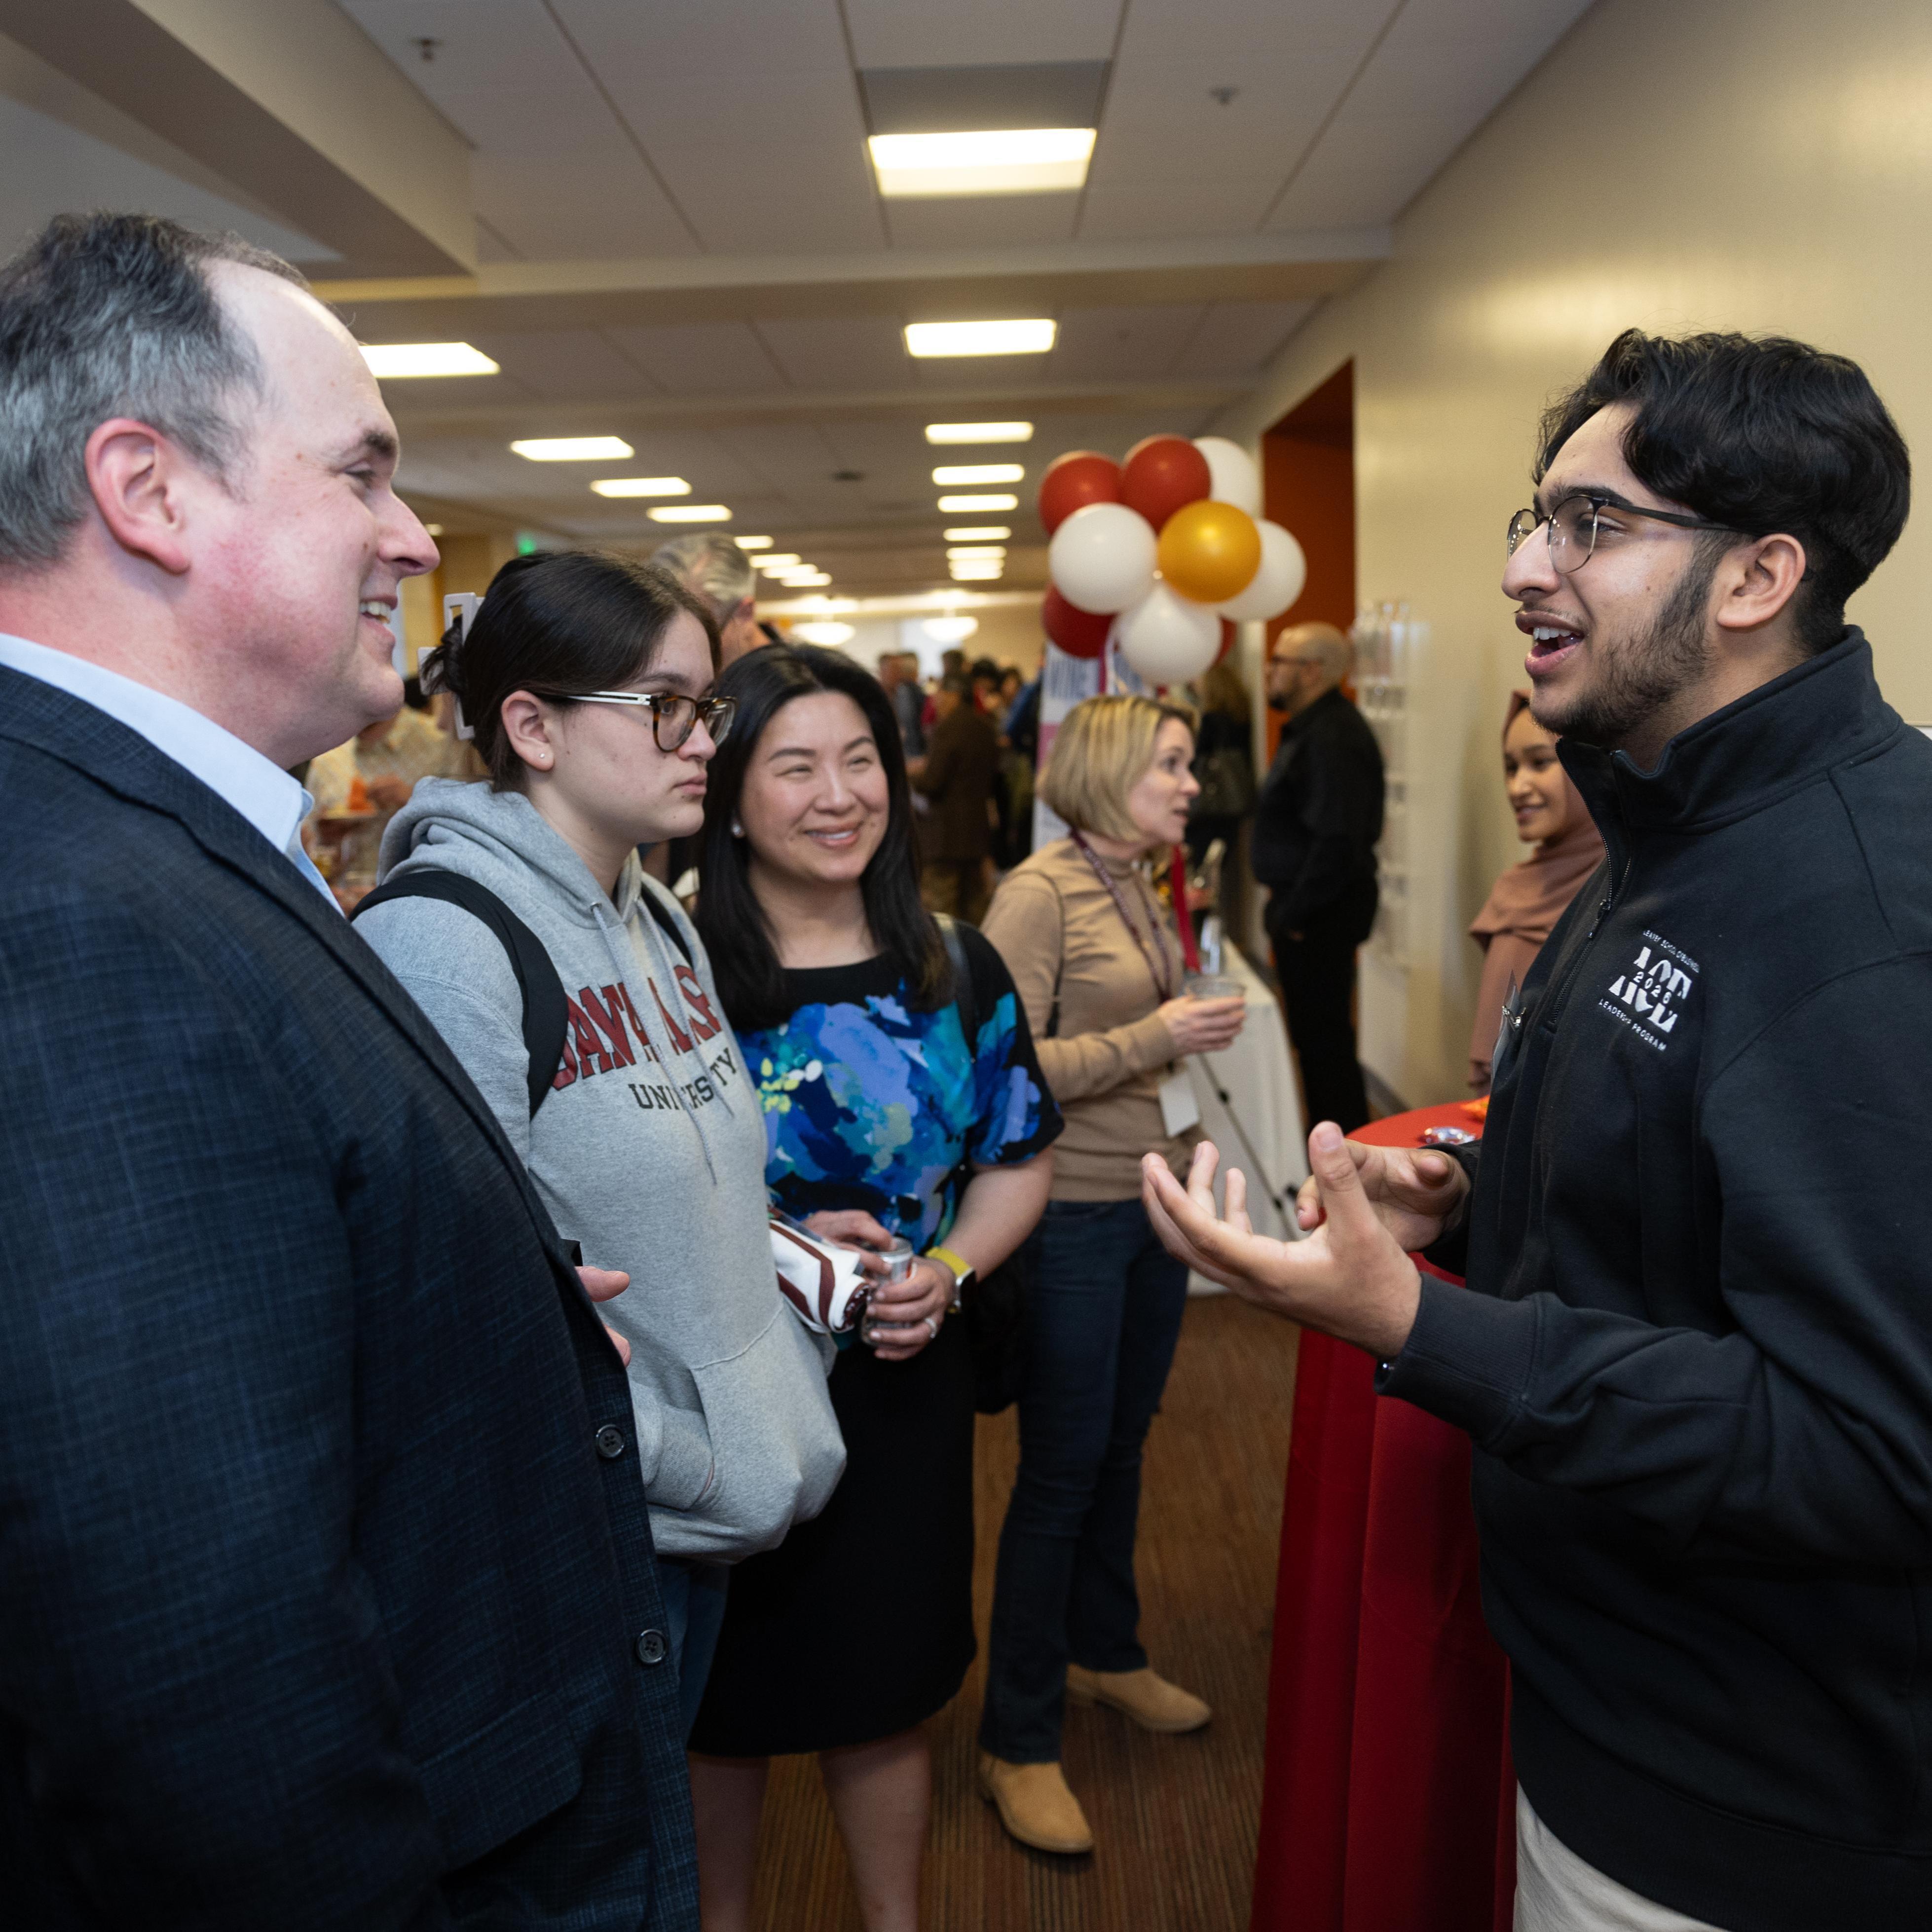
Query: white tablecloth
(1259,1080)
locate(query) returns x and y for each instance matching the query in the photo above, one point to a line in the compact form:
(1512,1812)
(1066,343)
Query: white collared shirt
(271,801)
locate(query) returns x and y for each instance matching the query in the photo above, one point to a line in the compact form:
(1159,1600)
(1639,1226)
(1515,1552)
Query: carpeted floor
(1173,1817)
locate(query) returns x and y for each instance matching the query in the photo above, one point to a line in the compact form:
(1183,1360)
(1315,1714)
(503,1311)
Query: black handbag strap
(546,1007)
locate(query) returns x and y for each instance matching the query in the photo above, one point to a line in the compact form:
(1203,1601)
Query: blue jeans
(1103,1309)
(694,1601)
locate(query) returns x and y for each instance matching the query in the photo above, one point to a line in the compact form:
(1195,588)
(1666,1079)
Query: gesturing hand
(1350,1279)
(606,1285)
(1416,1194)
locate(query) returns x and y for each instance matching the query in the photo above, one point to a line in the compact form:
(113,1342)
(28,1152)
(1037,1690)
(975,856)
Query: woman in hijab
(1526,902)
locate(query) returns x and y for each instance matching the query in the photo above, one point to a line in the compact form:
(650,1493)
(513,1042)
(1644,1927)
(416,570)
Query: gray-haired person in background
(711,566)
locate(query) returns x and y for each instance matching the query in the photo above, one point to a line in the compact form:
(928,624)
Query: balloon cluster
(1163,551)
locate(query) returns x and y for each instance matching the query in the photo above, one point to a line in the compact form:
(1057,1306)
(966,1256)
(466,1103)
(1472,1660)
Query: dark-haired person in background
(588,680)
(958,775)
(882,1120)
(320,1606)
(1695,1352)
(1316,821)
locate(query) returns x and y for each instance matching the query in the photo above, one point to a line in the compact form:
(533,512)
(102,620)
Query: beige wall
(1764,165)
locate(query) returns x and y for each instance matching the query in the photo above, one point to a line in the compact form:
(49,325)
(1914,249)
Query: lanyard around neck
(1158,975)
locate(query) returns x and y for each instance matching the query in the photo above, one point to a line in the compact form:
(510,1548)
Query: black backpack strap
(666,918)
(546,1006)
(962,982)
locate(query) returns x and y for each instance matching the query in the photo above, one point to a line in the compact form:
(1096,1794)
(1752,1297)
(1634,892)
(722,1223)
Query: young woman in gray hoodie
(587,679)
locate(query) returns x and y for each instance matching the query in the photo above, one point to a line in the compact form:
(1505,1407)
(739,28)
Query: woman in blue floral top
(881,1120)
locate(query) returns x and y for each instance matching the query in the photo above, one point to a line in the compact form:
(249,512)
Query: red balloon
(1071,482)
(1080,634)
(1161,474)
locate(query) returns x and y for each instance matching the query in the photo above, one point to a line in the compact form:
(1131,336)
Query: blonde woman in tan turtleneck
(1098,967)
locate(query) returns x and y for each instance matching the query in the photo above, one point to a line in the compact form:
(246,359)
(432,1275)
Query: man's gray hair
(711,566)
(112,315)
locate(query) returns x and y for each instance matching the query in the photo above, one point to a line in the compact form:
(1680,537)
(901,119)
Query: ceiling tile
(719,46)
(983,221)
(568,208)
(1111,344)
(1191,30)
(702,358)
(1240,338)
(993,33)
(1184,205)
(864,351)
(566,365)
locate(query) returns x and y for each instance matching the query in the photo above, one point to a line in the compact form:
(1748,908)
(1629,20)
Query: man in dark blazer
(955,838)
(1316,823)
(327,1597)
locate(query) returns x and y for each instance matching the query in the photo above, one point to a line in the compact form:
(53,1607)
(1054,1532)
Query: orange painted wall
(1308,484)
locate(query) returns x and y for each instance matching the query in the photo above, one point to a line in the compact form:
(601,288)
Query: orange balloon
(1210,551)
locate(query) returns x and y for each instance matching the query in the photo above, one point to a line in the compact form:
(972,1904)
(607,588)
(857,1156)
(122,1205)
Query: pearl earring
(737,829)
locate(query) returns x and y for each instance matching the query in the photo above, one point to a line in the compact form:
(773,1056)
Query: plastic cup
(1214,986)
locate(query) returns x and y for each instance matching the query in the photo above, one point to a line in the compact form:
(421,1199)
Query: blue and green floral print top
(871,1104)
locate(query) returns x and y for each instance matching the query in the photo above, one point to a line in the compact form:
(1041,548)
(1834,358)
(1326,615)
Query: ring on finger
(931,1326)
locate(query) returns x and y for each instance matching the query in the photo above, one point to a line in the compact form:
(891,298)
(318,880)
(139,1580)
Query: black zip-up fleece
(1695,1350)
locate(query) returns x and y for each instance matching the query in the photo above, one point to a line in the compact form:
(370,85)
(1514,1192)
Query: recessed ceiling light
(389,360)
(979,473)
(976,533)
(997,161)
(1011,432)
(955,630)
(690,513)
(980,338)
(954,505)
(831,632)
(779,560)
(573,449)
(434,529)
(641,486)
(974,573)
(753,543)
(805,579)
(969,550)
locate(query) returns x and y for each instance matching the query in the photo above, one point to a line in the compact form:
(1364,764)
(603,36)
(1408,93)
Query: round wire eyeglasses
(1577,522)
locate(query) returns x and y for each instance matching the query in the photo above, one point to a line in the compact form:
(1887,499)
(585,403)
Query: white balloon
(1232,476)
(1275,584)
(1168,638)
(1101,559)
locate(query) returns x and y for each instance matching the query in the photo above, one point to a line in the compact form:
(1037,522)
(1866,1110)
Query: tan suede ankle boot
(1151,1701)
(1035,1805)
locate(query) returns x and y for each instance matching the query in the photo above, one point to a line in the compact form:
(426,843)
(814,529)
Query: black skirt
(859,1625)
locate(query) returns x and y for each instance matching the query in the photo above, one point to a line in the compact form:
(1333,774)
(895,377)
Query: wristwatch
(964,1273)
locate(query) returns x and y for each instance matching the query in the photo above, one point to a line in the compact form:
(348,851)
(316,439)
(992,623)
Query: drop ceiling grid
(988,33)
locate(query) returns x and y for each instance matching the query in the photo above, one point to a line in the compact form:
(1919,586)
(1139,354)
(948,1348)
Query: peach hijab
(1522,908)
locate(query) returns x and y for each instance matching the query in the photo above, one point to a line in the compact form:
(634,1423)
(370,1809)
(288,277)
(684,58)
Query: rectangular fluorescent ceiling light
(801,580)
(573,448)
(641,486)
(979,473)
(969,551)
(779,560)
(1011,432)
(387,361)
(977,533)
(690,513)
(954,505)
(1033,338)
(753,543)
(991,161)
(970,573)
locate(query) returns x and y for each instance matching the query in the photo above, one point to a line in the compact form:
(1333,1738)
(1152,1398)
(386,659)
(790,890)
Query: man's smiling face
(1612,642)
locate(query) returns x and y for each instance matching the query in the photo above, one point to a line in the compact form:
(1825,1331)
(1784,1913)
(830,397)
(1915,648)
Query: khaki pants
(1557,1891)
(957,887)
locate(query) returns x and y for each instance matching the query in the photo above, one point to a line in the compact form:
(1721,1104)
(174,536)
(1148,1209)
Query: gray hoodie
(649,1150)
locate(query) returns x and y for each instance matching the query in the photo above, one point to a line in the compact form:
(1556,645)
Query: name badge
(1179,1108)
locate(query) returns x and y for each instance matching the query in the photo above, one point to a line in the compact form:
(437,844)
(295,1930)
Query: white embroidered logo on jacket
(1652,992)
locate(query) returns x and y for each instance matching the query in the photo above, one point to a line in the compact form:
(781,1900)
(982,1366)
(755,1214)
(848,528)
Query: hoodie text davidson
(597,1042)
(1695,1349)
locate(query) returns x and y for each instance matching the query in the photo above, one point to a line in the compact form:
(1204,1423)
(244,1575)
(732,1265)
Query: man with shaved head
(1316,823)
(326,1591)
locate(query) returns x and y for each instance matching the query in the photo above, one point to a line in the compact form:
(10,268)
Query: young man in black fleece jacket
(1695,1349)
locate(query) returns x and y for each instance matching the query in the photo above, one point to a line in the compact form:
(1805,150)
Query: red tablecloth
(1388,1799)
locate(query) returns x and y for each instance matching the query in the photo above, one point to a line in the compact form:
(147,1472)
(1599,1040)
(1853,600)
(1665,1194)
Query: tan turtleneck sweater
(1053,921)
